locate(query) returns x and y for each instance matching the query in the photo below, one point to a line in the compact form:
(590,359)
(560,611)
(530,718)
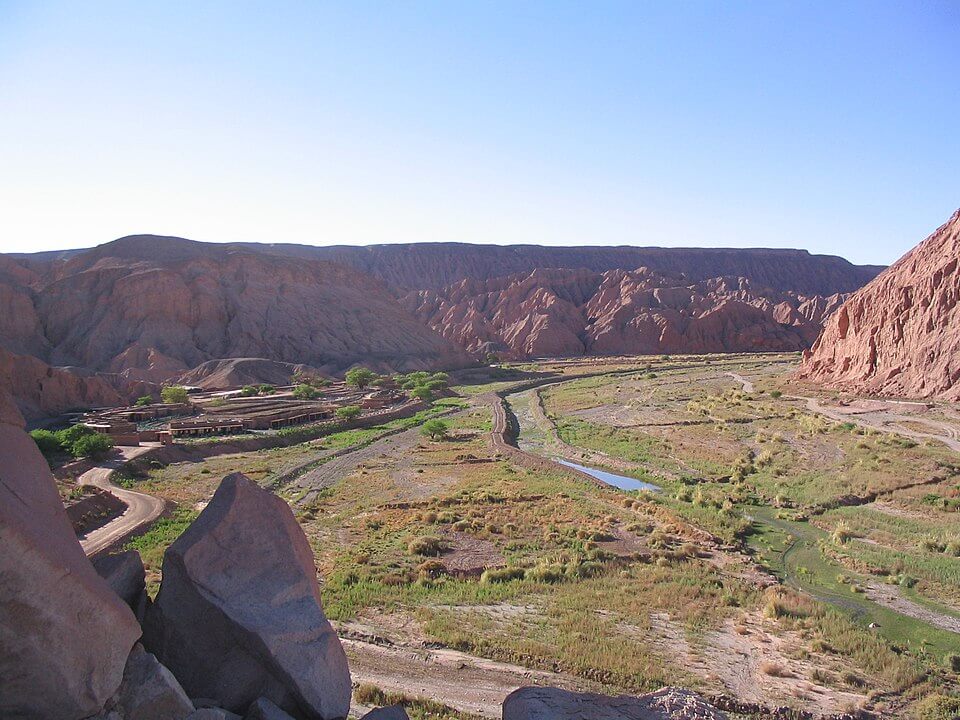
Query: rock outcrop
(40,390)
(540,703)
(900,334)
(575,312)
(64,635)
(238,615)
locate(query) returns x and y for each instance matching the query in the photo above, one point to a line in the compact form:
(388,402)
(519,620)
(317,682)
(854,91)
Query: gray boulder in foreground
(238,615)
(543,703)
(125,575)
(64,635)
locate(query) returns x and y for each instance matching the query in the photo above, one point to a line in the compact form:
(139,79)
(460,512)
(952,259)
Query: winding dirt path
(141,508)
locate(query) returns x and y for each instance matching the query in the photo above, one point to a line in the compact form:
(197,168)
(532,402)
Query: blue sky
(827,126)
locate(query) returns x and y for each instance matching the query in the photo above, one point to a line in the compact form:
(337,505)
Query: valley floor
(800,549)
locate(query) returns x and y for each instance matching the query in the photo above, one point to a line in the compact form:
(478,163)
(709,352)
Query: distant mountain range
(149,309)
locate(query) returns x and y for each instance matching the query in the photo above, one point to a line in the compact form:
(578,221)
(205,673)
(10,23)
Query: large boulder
(238,615)
(64,635)
(543,703)
(149,691)
(125,574)
(263,709)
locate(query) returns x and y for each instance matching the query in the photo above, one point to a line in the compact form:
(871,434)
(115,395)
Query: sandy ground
(388,651)
(753,665)
(393,448)
(141,508)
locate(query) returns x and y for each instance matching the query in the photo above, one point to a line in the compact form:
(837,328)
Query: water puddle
(618,481)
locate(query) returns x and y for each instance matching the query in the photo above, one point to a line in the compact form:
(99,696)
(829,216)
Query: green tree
(174,394)
(68,436)
(304,392)
(434,429)
(144,400)
(47,441)
(348,412)
(249,391)
(266,389)
(360,377)
(92,446)
(422,393)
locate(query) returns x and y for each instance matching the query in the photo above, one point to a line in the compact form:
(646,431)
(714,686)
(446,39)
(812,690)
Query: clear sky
(822,125)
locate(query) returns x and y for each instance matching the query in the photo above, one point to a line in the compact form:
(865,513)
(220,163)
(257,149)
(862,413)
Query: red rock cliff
(900,334)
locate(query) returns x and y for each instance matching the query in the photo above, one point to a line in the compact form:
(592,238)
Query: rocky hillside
(575,312)
(150,309)
(899,334)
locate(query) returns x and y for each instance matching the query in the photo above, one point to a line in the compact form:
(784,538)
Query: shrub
(92,446)
(502,575)
(144,400)
(174,394)
(775,394)
(249,391)
(266,389)
(348,412)
(426,545)
(432,569)
(434,429)
(47,441)
(937,707)
(305,392)
(546,573)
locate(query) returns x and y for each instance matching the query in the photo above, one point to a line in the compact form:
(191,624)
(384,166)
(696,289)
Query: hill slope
(153,309)
(900,334)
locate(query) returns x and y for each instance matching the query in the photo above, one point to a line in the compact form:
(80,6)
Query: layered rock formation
(238,615)
(64,636)
(900,334)
(574,312)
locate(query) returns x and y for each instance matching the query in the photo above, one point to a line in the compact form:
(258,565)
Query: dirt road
(458,680)
(141,509)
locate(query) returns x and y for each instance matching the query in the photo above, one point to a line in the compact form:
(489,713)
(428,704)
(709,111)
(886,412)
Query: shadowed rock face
(64,635)
(536,703)
(238,615)
(575,312)
(900,334)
